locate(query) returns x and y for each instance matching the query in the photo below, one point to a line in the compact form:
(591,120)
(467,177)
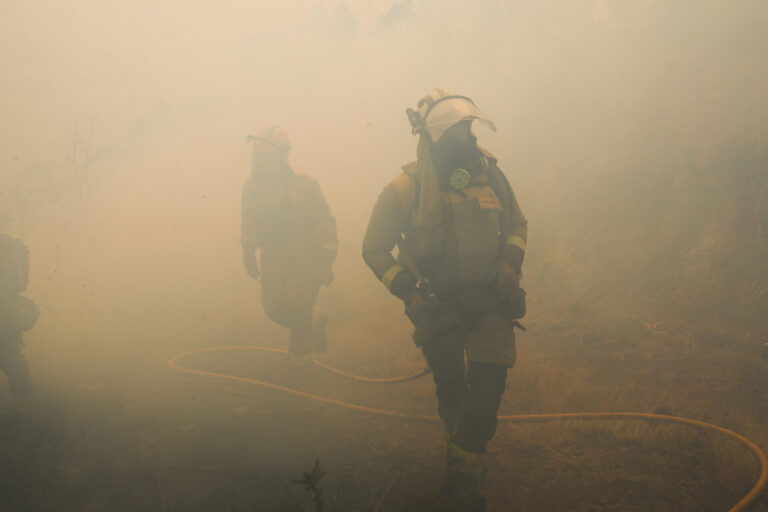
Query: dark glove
(251,264)
(432,317)
(415,307)
(507,280)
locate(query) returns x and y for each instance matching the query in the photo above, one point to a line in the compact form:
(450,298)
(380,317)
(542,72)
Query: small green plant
(311,482)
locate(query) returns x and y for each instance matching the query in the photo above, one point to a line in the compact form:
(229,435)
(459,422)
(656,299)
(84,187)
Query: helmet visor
(450,111)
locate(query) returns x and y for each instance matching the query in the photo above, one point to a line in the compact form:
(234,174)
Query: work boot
(319,336)
(300,347)
(462,488)
(300,343)
(462,480)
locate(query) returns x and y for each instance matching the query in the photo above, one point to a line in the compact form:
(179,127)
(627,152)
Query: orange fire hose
(738,507)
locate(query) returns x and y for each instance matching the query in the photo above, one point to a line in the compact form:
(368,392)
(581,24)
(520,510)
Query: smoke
(632,132)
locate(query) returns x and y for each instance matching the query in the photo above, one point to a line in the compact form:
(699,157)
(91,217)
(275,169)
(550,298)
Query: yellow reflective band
(390,274)
(515,240)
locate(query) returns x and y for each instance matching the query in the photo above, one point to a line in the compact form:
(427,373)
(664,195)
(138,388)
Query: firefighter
(286,218)
(17,315)
(461,237)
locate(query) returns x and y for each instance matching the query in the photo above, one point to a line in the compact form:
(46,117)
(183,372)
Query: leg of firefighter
(298,320)
(277,307)
(287,303)
(319,336)
(476,426)
(289,290)
(14,365)
(445,357)
(301,334)
(304,329)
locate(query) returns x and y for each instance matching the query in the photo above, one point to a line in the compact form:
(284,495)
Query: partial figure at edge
(18,314)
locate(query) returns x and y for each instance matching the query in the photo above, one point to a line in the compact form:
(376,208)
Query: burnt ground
(109,437)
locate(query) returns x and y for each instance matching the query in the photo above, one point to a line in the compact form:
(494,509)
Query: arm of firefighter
(384,229)
(514,226)
(325,223)
(514,234)
(248,228)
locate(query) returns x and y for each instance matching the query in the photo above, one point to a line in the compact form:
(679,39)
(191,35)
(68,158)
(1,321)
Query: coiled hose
(738,507)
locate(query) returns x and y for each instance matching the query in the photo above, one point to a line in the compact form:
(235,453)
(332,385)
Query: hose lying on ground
(740,506)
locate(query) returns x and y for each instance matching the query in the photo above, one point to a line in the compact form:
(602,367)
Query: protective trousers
(468,396)
(289,291)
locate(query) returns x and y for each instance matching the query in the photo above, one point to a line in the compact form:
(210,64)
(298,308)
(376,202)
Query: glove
(432,317)
(507,280)
(415,307)
(251,265)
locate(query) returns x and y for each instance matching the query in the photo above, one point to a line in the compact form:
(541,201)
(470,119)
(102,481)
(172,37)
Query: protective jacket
(288,215)
(482,225)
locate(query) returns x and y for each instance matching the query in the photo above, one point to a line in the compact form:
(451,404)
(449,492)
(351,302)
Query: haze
(633,133)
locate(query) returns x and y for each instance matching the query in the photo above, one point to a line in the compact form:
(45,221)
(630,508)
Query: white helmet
(441,109)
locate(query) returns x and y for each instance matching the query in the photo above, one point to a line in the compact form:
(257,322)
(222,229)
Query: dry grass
(183,444)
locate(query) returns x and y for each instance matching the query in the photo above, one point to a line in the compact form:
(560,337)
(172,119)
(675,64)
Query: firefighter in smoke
(461,237)
(17,315)
(286,218)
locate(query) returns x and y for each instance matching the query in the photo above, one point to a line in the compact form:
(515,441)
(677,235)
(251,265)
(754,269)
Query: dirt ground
(114,438)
